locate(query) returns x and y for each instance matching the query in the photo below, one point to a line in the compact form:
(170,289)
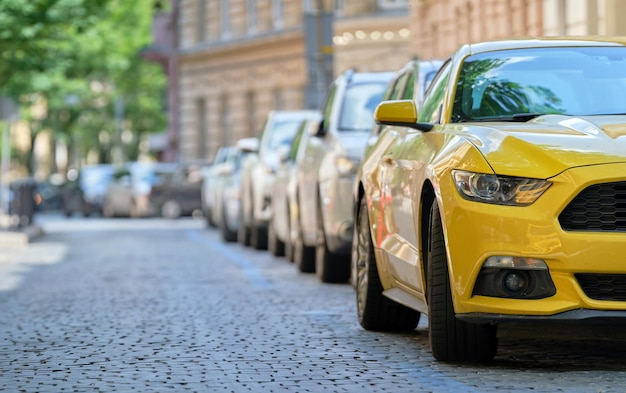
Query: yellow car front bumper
(476,231)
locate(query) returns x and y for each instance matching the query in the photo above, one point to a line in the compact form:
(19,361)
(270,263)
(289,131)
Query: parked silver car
(326,175)
(281,237)
(228,188)
(210,179)
(258,175)
(129,192)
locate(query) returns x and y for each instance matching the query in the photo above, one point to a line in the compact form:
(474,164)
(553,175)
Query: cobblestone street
(154,305)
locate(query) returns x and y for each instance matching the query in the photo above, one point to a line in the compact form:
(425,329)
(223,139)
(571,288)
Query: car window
(283,132)
(569,81)
(359,103)
(409,87)
(399,86)
(293,152)
(431,109)
(328,105)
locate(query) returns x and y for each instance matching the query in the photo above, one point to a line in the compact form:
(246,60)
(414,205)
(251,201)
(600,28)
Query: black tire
(258,237)
(303,255)
(329,267)
(228,235)
(450,338)
(243,231)
(274,244)
(375,311)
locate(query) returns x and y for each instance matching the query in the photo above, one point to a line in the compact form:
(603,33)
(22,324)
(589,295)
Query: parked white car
(258,175)
(229,188)
(281,231)
(210,184)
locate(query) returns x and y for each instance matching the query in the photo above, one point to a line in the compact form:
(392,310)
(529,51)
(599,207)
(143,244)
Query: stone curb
(20,237)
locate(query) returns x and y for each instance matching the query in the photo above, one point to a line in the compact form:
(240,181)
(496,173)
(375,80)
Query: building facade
(232,61)
(239,59)
(438,27)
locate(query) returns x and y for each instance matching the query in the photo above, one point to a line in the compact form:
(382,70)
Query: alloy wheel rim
(362,261)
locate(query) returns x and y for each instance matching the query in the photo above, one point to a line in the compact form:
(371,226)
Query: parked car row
(135,189)
(482,191)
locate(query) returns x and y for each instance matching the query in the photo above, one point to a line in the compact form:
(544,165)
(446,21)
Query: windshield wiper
(524,117)
(518,118)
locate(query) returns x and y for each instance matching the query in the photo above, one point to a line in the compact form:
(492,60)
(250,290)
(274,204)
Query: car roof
(360,77)
(542,42)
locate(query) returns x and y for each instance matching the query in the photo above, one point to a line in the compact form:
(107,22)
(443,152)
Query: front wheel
(375,311)
(229,235)
(450,338)
(303,255)
(329,267)
(243,231)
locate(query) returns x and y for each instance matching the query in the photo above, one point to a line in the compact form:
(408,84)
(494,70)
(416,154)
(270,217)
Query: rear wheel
(228,234)
(375,311)
(329,267)
(243,232)
(258,237)
(450,338)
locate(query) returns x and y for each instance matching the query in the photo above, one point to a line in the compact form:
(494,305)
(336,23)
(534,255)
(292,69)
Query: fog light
(515,282)
(514,277)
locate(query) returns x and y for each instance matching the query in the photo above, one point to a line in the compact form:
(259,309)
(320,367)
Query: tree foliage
(80,57)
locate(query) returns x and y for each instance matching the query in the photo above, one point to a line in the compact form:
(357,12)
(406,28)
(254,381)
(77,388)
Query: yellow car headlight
(499,190)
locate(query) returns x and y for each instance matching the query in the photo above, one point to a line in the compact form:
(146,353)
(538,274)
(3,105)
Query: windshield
(575,81)
(360,101)
(283,132)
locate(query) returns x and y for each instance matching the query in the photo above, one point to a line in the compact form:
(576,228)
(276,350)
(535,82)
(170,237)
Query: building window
(338,7)
(251,114)
(252,16)
(277,14)
(225,122)
(225,18)
(201,121)
(201,21)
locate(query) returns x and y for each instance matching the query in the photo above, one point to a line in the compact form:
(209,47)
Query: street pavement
(152,305)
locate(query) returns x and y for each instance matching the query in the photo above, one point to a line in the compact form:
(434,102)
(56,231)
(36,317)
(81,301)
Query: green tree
(79,57)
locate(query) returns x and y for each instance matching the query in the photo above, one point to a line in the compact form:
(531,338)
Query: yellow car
(502,200)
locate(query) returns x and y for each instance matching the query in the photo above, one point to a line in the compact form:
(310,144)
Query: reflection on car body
(499,200)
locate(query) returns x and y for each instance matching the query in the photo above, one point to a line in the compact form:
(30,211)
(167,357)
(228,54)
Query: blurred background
(86,83)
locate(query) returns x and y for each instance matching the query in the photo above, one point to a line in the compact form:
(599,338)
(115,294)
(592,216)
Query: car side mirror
(316,128)
(283,153)
(248,145)
(401,113)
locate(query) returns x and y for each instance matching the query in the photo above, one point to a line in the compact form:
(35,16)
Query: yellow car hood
(550,144)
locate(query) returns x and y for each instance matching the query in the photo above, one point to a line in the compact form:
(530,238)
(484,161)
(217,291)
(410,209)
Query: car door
(403,168)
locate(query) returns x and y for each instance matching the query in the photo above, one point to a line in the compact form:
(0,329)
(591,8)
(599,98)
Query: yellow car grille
(603,286)
(600,207)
